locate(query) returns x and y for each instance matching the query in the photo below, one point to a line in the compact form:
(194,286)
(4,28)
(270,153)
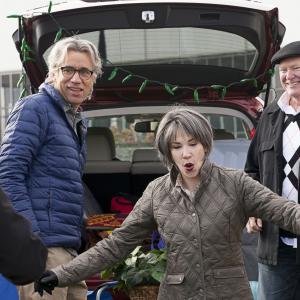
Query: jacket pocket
(232,272)
(266,146)
(231,283)
(174,278)
(173,287)
(268,163)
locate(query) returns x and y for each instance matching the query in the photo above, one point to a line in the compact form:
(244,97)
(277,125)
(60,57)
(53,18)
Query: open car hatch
(181,43)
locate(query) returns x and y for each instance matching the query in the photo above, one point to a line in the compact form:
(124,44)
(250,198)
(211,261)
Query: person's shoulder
(33,99)
(159,180)
(272,107)
(222,169)
(158,183)
(35,102)
(226,172)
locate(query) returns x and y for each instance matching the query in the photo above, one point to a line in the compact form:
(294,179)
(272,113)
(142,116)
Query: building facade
(9,94)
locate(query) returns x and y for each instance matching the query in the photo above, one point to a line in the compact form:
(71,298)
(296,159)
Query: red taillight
(252,133)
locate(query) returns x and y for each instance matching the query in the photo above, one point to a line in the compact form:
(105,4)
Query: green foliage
(23,93)
(126,78)
(271,72)
(21,80)
(221,89)
(49,7)
(58,35)
(138,268)
(113,74)
(168,88)
(196,96)
(253,81)
(14,16)
(143,85)
(223,92)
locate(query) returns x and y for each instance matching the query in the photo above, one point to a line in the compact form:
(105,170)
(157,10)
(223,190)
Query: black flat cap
(289,50)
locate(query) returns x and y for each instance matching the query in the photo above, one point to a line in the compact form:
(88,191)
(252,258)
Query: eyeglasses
(84,73)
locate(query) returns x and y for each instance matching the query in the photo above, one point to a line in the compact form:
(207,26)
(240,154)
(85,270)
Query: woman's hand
(46,283)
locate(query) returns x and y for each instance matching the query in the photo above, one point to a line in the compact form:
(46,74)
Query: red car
(213,55)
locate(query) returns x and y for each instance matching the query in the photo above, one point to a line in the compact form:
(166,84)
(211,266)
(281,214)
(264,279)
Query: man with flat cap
(273,159)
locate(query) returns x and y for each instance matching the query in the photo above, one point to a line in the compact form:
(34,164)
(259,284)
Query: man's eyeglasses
(84,73)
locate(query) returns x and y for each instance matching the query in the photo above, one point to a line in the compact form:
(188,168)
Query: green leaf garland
(128,77)
(169,89)
(143,85)
(58,35)
(196,96)
(113,74)
(49,7)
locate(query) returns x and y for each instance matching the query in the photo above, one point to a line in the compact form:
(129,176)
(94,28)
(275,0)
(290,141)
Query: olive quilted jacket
(202,236)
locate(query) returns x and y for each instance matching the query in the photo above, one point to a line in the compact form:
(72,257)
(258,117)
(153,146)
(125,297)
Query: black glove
(46,283)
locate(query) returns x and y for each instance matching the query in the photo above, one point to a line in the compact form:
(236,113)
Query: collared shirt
(284,104)
(74,117)
(179,185)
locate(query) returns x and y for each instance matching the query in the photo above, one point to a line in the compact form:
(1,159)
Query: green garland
(26,52)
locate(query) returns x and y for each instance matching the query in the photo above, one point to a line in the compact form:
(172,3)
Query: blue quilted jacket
(41,164)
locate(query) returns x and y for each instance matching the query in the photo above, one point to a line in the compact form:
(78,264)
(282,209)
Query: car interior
(123,153)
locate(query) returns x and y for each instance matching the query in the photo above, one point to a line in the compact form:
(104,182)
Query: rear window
(186,45)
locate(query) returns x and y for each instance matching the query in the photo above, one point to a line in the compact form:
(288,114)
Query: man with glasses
(43,154)
(274,160)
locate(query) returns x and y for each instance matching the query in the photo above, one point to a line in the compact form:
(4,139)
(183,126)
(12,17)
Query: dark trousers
(280,282)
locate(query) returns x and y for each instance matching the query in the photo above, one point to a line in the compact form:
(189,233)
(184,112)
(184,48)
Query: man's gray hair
(60,49)
(190,122)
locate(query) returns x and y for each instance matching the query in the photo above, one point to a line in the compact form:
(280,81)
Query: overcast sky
(9,60)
